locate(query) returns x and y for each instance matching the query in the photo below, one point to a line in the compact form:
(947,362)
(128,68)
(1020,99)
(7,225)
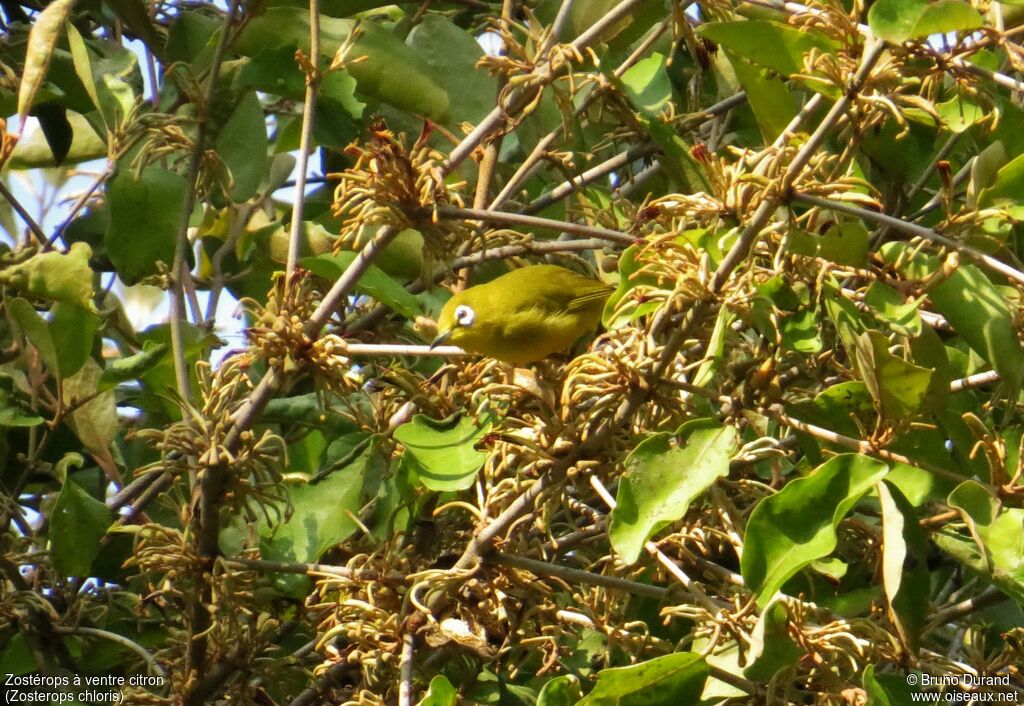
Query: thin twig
(578,576)
(25,215)
(517,219)
(305,141)
(928,234)
(206,523)
(135,647)
(518,99)
(405,669)
(864,447)
(591,175)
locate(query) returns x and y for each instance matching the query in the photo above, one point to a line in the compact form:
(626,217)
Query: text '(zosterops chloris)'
(525,315)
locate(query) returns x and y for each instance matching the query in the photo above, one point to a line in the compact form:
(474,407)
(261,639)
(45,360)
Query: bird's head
(456,319)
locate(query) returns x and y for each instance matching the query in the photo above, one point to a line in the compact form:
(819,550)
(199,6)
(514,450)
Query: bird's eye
(464,315)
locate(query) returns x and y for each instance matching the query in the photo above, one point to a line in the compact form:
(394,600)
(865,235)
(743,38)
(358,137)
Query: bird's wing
(587,299)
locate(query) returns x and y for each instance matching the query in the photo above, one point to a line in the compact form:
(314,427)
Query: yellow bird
(524,315)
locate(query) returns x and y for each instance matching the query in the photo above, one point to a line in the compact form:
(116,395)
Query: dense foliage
(787,469)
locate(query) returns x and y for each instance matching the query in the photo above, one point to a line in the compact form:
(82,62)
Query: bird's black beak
(441,338)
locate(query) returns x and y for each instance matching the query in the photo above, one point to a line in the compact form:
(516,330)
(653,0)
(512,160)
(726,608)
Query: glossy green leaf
(385,57)
(905,575)
(899,20)
(33,151)
(662,479)
(73,329)
(889,689)
(998,533)
(774,45)
(242,145)
(887,304)
(451,53)
(768,95)
(190,33)
(647,85)
(94,422)
(771,647)
(630,278)
(800,332)
(135,246)
(83,64)
(15,414)
(560,691)
(135,16)
(42,38)
(898,387)
(796,526)
(77,524)
(130,368)
(439,693)
(844,243)
(33,327)
(322,516)
(61,277)
(974,307)
(960,113)
(374,282)
(1005,189)
(443,453)
(673,679)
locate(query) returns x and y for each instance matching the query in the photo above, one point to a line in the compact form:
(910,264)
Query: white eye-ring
(464,315)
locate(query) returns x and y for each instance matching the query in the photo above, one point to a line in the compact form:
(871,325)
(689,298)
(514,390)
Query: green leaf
(33,151)
(83,64)
(440,693)
(1006,188)
(73,330)
(13,413)
(773,45)
(451,53)
(77,524)
(998,532)
(898,387)
(960,113)
(890,689)
(130,368)
(974,307)
(905,575)
(661,481)
(887,304)
(796,526)
(560,691)
(800,332)
(673,679)
(844,243)
(443,454)
(322,515)
(769,98)
(95,422)
(190,33)
(135,16)
(374,282)
(33,327)
(647,85)
(57,276)
(385,57)
(897,21)
(42,39)
(242,145)
(134,245)
(771,647)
